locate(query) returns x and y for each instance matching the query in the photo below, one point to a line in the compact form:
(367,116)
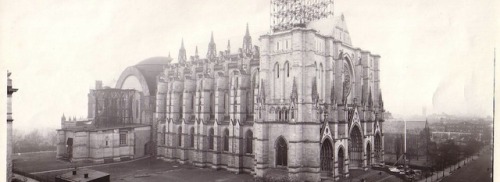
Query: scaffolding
(287,14)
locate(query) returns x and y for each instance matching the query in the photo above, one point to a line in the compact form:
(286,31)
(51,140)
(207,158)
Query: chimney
(98,84)
(86,175)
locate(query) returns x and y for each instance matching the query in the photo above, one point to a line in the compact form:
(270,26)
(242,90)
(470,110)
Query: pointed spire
(228,51)
(247,43)
(212,51)
(182,58)
(63,118)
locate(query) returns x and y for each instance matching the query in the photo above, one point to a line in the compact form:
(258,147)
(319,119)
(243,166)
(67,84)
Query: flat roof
(93,174)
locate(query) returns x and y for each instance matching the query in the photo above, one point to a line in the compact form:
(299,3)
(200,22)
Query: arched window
(279,115)
(277,70)
(281,152)
(326,156)
(292,113)
(192,102)
(179,136)
(287,69)
(286,114)
(226,139)
(211,138)
(163,135)
(249,141)
(136,109)
(191,133)
(212,105)
(181,107)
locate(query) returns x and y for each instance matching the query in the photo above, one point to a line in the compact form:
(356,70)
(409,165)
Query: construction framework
(287,14)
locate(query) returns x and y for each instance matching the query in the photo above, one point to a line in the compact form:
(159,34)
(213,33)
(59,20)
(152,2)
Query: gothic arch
(356,147)
(368,153)
(378,147)
(341,155)
(281,147)
(249,141)
(326,156)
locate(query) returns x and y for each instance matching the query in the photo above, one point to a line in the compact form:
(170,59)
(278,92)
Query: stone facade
(306,102)
(10,91)
(104,144)
(114,130)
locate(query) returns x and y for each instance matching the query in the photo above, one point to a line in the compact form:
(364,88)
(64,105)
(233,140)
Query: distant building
(10,91)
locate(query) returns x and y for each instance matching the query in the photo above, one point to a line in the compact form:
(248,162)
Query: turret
(182,54)
(63,118)
(212,51)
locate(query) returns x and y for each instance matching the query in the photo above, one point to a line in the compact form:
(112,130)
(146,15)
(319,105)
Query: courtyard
(46,167)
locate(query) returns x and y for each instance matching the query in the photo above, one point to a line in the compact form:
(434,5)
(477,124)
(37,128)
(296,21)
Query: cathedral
(305,101)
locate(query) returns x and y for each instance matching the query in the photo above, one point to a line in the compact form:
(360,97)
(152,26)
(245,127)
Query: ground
(476,171)
(147,169)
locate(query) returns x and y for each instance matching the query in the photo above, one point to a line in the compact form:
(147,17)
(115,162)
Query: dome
(143,74)
(155,61)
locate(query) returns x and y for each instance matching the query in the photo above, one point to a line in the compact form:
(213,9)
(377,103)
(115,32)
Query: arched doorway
(326,157)
(281,152)
(368,154)
(378,148)
(355,148)
(340,158)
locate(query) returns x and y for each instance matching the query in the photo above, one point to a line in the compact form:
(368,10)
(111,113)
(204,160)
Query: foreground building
(306,102)
(10,91)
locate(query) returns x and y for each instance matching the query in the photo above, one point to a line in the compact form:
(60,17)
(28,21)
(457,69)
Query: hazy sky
(435,54)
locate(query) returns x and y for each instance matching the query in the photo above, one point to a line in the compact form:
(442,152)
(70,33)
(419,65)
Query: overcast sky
(434,54)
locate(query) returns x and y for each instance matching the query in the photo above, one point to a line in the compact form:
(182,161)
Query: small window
(277,45)
(123,139)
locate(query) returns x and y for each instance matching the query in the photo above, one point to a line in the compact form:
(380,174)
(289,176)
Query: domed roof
(155,61)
